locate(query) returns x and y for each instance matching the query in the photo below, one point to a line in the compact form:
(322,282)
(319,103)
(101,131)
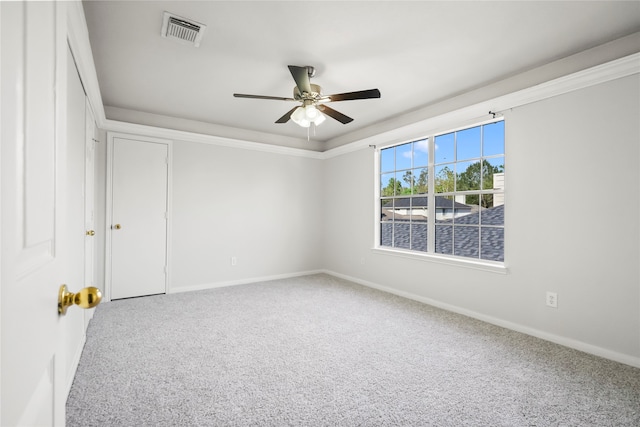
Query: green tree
(472,178)
(421,185)
(394,188)
(408,178)
(445,180)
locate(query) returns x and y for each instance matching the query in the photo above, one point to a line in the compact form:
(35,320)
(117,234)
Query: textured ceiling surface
(417,53)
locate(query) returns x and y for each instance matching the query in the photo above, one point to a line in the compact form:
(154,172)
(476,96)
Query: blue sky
(468,147)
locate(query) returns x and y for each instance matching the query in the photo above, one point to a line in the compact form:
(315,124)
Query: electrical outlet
(234,260)
(552,299)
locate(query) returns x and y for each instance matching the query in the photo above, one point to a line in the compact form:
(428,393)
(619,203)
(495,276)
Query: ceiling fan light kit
(305,115)
(313,108)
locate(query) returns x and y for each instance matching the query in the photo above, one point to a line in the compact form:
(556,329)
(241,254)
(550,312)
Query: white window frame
(430,255)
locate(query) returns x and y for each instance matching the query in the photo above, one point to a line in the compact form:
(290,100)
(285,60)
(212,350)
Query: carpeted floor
(320,351)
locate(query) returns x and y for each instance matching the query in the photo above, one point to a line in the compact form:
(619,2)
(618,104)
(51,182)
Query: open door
(41,211)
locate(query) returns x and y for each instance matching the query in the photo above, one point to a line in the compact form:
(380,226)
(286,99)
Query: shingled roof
(464,240)
(442,202)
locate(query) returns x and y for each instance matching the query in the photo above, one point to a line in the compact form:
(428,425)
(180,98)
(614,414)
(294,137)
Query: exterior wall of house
(575,155)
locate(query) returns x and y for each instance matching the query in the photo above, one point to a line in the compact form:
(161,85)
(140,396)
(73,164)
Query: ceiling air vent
(178,28)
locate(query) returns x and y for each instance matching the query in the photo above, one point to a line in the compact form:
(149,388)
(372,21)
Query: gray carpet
(320,351)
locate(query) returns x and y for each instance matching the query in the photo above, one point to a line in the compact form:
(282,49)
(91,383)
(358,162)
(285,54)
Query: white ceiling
(417,53)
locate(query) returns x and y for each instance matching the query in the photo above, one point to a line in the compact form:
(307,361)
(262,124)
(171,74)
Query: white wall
(572,226)
(262,208)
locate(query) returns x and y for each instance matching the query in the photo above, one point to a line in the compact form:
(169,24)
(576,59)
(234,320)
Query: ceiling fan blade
(276,98)
(301,76)
(287,116)
(335,114)
(361,94)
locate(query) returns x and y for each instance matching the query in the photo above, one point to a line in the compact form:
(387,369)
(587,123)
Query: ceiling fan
(313,102)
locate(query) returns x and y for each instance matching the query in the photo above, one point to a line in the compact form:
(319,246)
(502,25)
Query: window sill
(493,267)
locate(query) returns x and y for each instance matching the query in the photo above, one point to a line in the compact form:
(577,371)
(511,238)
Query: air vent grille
(181,29)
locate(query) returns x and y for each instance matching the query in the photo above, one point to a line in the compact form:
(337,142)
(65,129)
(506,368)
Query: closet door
(138,217)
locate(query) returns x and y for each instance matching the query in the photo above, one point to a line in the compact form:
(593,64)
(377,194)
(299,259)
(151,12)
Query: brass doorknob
(117,226)
(91,233)
(86,298)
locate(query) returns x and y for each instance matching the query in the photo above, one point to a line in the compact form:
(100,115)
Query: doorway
(137,215)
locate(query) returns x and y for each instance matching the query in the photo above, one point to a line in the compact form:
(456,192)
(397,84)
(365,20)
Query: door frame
(109,206)
(90,148)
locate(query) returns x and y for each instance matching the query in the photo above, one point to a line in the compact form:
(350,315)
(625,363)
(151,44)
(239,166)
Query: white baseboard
(178,289)
(557,339)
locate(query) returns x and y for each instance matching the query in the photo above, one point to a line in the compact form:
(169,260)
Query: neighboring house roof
(441,203)
(490,216)
(472,242)
(387,214)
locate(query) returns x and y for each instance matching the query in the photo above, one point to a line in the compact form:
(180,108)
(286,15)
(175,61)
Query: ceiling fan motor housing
(315,94)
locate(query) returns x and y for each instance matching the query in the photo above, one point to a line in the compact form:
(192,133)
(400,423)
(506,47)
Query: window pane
(468,144)
(491,167)
(444,208)
(403,156)
(419,234)
(402,207)
(467,203)
(445,148)
(386,222)
(407,181)
(420,181)
(402,186)
(468,176)
(401,234)
(421,153)
(419,207)
(444,179)
(401,223)
(466,209)
(466,241)
(387,182)
(387,160)
(492,244)
(444,239)
(493,141)
(494,213)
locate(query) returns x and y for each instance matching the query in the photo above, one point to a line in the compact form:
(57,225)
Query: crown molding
(178,135)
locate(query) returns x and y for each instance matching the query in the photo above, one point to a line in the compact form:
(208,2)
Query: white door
(35,235)
(138,217)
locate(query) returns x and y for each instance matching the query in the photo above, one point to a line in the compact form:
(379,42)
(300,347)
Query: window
(445,194)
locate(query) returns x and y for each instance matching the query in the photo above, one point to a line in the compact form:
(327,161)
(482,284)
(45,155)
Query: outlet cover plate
(552,299)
